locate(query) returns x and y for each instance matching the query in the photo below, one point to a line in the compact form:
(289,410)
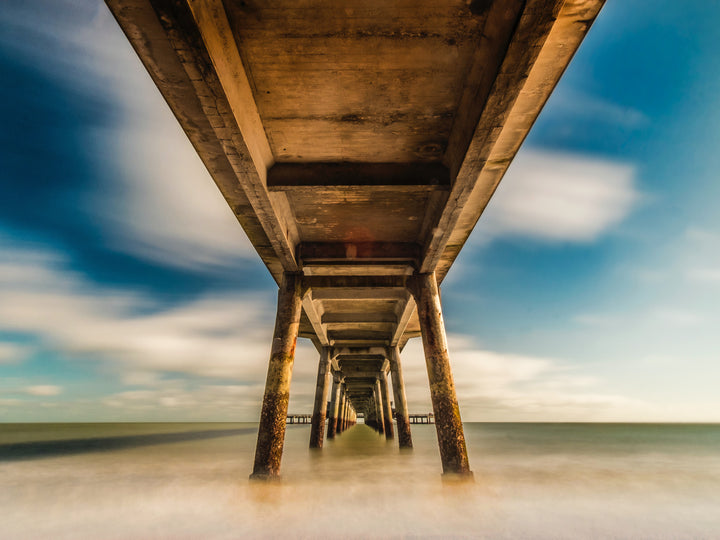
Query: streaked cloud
(557,197)
(208,336)
(11,353)
(583,106)
(43,390)
(497,386)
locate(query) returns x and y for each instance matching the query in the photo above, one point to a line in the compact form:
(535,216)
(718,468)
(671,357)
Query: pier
(358,144)
(422,418)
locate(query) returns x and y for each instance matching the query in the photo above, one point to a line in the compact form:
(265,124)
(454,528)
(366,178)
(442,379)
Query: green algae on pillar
(451,437)
(317,428)
(271,432)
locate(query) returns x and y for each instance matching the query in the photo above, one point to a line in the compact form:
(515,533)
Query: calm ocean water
(190,481)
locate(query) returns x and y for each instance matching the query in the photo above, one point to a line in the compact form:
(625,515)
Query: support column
(401,410)
(271,432)
(387,408)
(379,406)
(341,418)
(334,409)
(322,388)
(448,424)
(346,419)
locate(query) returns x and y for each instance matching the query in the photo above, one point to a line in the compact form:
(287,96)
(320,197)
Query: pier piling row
(356,186)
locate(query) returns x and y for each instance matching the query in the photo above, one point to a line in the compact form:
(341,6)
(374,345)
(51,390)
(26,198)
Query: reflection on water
(190,481)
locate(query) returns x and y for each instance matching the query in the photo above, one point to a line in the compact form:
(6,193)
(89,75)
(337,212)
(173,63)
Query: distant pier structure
(422,418)
(357,142)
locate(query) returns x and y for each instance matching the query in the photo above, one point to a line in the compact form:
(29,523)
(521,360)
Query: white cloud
(43,390)
(210,336)
(676,317)
(705,275)
(495,386)
(12,352)
(164,351)
(581,105)
(559,197)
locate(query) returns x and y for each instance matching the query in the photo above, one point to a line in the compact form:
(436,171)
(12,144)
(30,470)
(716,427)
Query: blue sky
(588,291)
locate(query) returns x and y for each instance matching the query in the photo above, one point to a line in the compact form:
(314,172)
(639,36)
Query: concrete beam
(395,177)
(274,212)
(406,313)
(547,34)
(314,315)
(358,251)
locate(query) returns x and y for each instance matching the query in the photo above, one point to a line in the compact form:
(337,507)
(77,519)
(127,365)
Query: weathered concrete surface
(401,410)
(334,409)
(451,438)
(357,142)
(341,417)
(387,408)
(271,432)
(322,389)
(379,409)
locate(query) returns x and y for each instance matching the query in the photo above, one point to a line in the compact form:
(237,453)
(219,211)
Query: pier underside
(357,143)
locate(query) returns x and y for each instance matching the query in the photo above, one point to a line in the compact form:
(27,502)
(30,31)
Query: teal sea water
(190,481)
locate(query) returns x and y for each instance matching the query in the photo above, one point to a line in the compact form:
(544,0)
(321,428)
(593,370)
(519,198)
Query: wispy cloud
(580,105)
(560,198)
(12,352)
(209,336)
(496,386)
(43,390)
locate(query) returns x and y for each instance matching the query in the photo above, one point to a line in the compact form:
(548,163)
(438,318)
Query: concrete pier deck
(358,144)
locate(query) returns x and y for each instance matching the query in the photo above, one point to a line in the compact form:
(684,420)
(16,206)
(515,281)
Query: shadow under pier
(47,449)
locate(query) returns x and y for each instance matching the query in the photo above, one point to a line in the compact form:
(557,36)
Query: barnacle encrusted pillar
(448,424)
(379,406)
(387,408)
(401,410)
(271,433)
(322,388)
(334,409)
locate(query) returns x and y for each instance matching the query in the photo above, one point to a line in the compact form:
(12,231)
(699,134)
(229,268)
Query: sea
(177,481)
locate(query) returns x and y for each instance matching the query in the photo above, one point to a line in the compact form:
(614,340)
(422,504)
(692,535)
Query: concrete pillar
(341,417)
(387,408)
(401,410)
(368,416)
(448,424)
(334,409)
(322,388)
(379,406)
(271,433)
(346,420)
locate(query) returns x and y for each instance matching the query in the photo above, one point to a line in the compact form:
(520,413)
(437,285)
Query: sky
(587,292)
